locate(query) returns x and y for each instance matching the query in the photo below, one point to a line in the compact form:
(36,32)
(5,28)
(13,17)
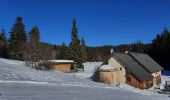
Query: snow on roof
(106,67)
(61,61)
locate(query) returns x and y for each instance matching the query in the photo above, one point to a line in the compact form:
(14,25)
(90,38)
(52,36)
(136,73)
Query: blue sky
(100,22)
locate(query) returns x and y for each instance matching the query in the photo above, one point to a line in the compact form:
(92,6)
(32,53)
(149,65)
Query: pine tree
(75,47)
(138,46)
(160,48)
(3,37)
(165,38)
(12,46)
(83,50)
(34,36)
(17,40)
(63,52)
(3,44)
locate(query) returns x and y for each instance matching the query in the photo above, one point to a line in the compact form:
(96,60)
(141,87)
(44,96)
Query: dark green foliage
(12,46)
(63,52)
(17,40)
(101,53)
(160,49)
(139,47)
(34,36)
(3,37)
(45,51)
(75,47)
(3,45)
(83,50)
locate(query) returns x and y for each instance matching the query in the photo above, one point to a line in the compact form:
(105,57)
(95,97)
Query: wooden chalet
(149,65)
(135,74)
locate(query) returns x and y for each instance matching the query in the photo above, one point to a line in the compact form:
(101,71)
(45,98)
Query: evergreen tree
(3,44)
(160,48)
(12,46)
(83,50)
(32,48)
(138,46)
(3,37)
(34,36)
(17,40)
(75,47)
(165,38)
(63,52)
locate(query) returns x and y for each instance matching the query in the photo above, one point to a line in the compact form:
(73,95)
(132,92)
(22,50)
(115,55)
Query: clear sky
(100,22)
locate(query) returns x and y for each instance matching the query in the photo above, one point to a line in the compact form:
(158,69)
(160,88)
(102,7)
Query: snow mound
(106,67)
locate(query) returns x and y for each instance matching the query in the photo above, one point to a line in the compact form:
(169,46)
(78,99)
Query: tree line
(26,46)
(160,49)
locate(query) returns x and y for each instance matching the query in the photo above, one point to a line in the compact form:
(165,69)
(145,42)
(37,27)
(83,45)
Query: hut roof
(60,61)
(132,66)
(146,61)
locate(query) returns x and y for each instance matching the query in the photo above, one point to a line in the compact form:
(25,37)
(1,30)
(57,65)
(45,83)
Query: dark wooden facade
(133,81)
(158,80)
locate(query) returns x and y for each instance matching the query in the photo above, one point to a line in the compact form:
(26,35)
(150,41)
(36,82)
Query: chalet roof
(146,61)
(60,61)
(132,66)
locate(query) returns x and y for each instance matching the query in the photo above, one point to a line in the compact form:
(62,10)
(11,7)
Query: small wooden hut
(62,65)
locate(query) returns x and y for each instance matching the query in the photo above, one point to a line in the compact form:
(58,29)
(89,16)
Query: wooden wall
(157,78)
(138,84)
(107,77)
(61,67)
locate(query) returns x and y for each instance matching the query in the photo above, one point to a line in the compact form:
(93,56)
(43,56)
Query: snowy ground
(32,91)
(18,82)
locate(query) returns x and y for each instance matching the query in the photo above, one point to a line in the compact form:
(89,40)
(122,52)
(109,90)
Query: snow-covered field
(18,82)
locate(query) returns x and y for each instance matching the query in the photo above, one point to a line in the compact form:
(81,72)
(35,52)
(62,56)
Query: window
(120,68)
